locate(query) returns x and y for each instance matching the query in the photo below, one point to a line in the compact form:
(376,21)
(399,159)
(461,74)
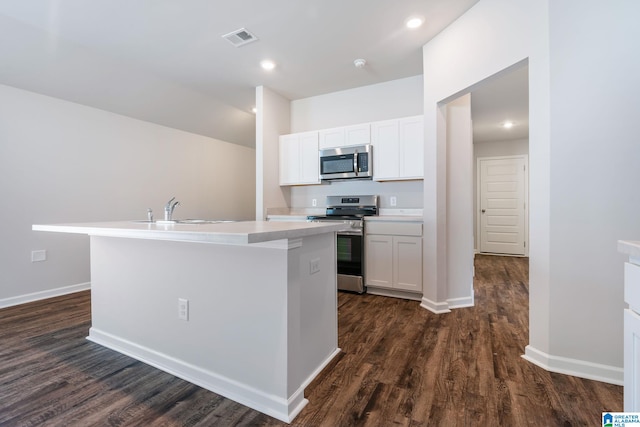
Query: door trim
(525,158)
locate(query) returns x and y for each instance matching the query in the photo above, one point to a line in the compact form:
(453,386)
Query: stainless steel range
(350,210)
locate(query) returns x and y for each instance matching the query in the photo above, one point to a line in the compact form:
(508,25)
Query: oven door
(350,257)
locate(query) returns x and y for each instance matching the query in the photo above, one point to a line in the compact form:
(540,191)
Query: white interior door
(503,205)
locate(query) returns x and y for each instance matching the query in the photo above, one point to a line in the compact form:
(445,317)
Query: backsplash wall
(408,193)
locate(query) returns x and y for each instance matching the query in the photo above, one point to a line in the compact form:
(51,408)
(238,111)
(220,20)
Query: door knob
(482,211)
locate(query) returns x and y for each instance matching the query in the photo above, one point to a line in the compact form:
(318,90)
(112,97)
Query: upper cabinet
(398,149)
(299,163)
(346,135)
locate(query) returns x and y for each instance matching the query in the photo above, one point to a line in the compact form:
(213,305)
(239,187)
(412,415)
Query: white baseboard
(461,302)
(49,293)
(574,367)
(445,307)
(280,408)
(435,307)
(394,293)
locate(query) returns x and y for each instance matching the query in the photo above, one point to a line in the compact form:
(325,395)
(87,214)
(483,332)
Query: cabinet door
(385,141)
(357,134)
(309,160)
(407,263)
(289,159)
(330,138)
(411,147)
(379,261)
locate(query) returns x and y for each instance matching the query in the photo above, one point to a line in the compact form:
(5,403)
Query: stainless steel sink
(182,221)
(201,221)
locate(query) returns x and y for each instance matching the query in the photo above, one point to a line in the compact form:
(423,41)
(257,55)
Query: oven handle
(349,233)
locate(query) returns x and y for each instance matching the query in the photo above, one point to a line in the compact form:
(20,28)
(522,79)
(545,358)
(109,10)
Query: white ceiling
(165,61)
(500,99)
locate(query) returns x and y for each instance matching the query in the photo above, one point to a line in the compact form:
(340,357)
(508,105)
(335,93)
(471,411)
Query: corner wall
(583,155)
(272,121)
(64,162)
(490,38)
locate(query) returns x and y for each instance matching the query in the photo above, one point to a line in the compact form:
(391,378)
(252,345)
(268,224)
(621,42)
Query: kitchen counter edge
(234,233)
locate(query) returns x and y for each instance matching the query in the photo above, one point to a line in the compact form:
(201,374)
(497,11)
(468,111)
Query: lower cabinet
(393,256)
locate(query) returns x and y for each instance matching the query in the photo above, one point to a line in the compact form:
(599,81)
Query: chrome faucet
(168,209)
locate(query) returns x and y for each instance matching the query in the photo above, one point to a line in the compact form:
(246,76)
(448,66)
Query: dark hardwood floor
(399,365)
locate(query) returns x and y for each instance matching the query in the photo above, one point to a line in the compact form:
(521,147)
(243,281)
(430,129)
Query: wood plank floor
(399,365)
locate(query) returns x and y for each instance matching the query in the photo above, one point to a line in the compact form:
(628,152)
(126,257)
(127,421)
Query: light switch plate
(38,256)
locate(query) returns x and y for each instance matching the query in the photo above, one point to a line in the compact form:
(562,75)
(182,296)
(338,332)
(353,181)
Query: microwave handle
(355,162)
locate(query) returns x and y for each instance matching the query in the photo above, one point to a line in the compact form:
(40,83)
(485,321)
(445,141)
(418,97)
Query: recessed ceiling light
(268,64)
(254,110)
(359,63)
(414,22)
(507,125)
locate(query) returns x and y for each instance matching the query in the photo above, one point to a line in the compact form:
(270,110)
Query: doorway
(500,115)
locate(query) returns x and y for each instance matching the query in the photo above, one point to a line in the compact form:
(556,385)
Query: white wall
(595,172)
(389,100)
(408,194)
(459,202)
(272,121)
(582,156)
(64,162)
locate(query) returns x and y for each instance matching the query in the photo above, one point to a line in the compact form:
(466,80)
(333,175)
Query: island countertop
(231,233)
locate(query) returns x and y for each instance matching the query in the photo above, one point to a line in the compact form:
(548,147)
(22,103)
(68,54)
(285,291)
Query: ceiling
(165,61)
(499,99)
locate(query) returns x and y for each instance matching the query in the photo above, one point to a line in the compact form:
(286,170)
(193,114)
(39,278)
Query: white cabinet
(398,149)
(379,260)
(344,136)
(407,263)
(299,163)
(393,256)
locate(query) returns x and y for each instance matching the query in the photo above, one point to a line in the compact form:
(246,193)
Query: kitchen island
(247,310)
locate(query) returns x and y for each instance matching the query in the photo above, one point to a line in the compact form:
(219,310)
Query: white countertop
(629,247)
(234,233)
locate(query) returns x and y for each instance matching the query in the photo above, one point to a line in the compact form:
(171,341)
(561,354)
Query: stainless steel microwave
(341,163)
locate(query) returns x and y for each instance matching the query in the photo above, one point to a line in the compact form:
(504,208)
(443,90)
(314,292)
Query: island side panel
(313,318)
(235,341)
(262,322)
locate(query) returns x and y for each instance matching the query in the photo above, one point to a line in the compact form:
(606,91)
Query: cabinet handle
(482,211)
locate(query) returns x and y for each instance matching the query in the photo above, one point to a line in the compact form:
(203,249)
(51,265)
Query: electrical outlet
(314,265)
(314,202)
(393,201)
(37,256)
(183,309)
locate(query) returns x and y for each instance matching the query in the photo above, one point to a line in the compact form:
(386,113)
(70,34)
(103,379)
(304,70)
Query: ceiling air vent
(240,37)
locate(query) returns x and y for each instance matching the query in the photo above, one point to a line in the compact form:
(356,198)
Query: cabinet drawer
(394,228)
(632,286)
